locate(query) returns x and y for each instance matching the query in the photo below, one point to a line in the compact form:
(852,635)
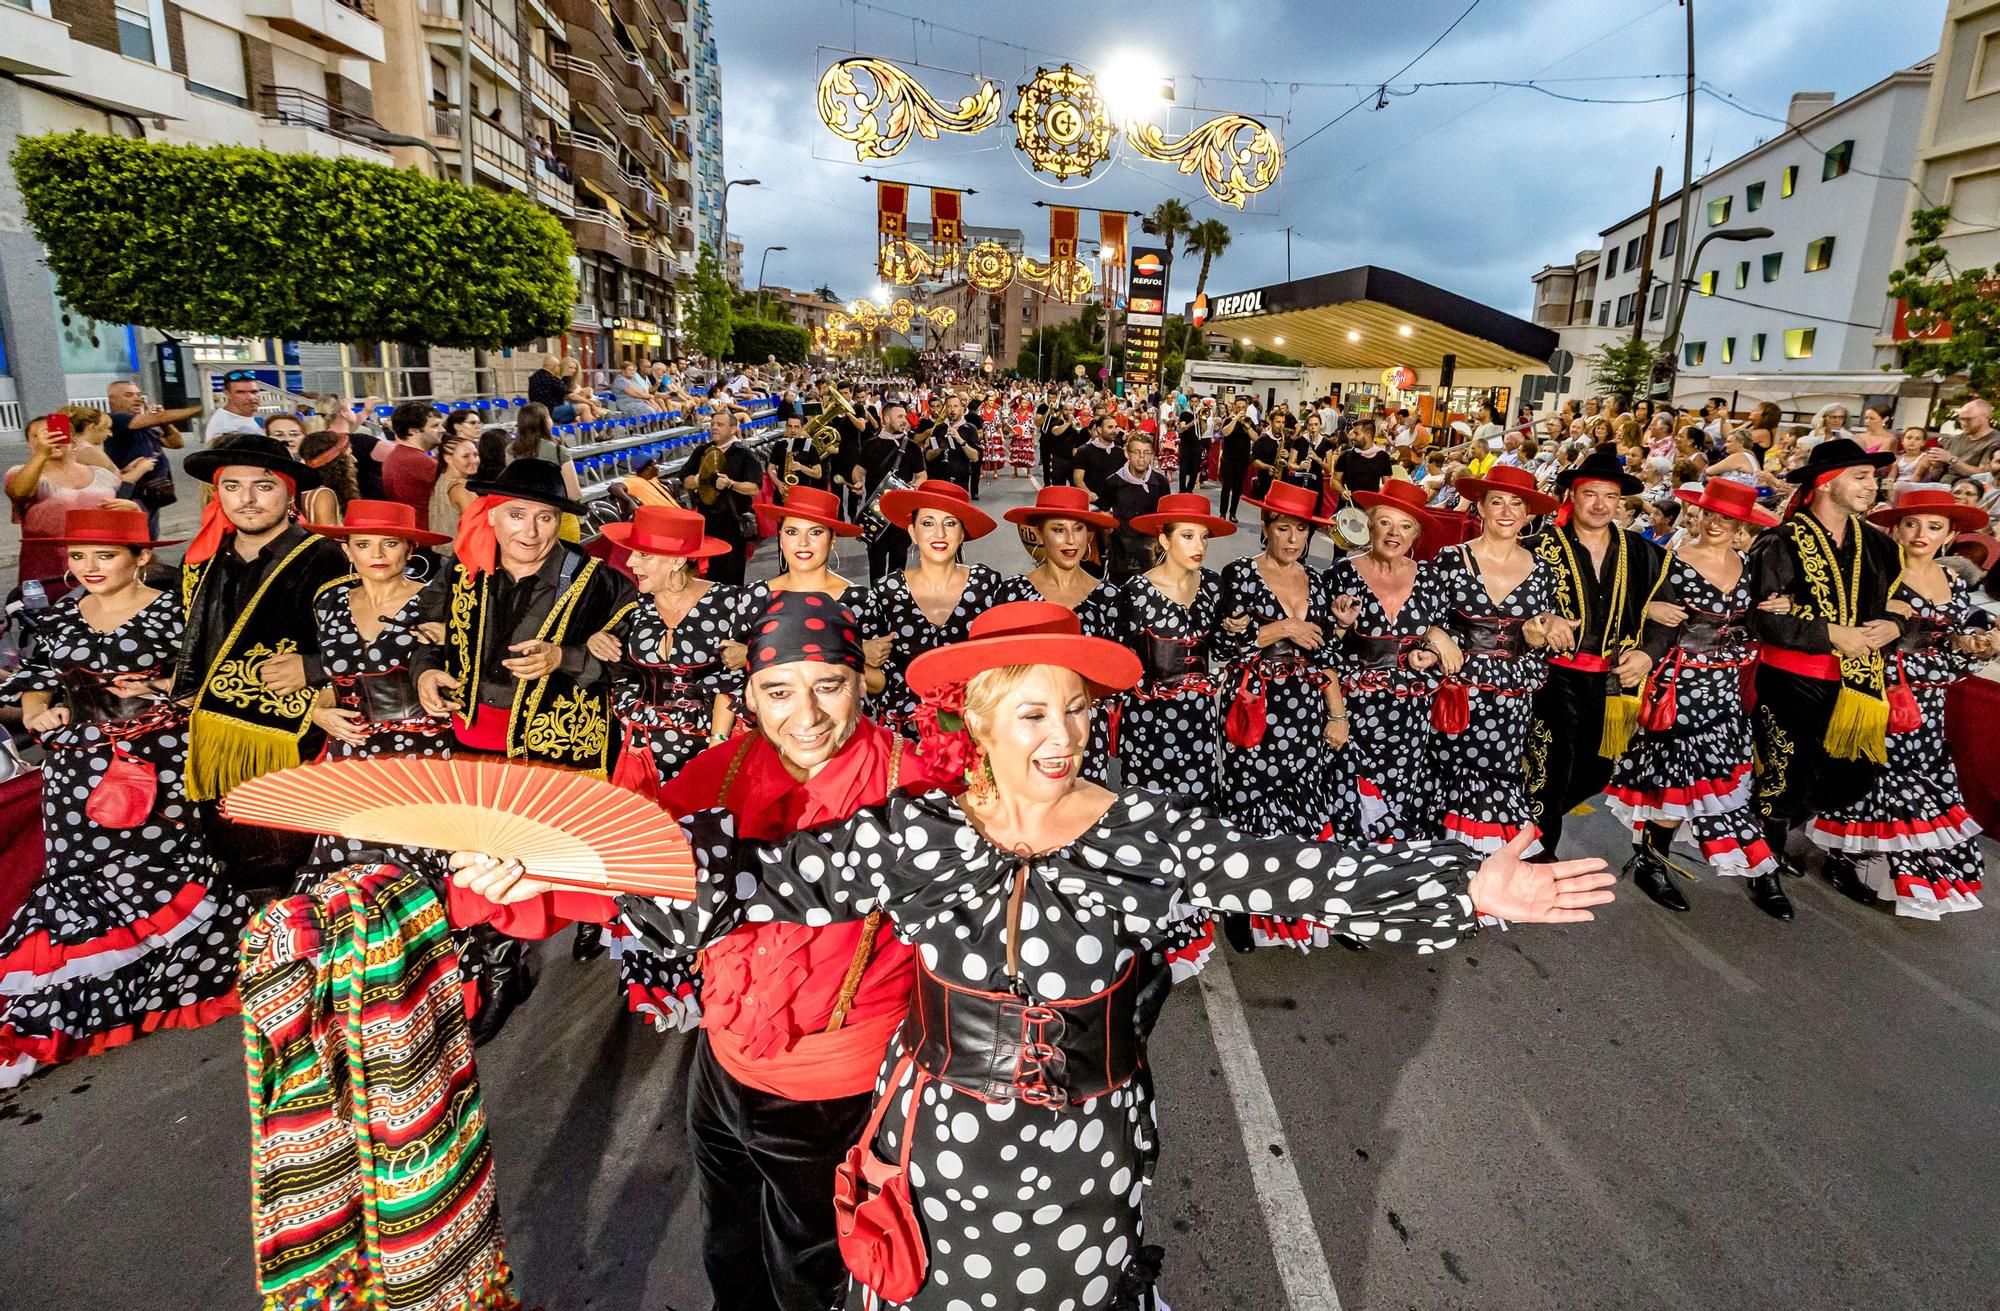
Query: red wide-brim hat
(1509,481)
(810,504)
(1963,518)
(666,530)
(1060,502)
(1731,500)
(105,528)
(379,519)
(1396,494)
(1182,507)
(1291,501)
(900,507)
(1026,633)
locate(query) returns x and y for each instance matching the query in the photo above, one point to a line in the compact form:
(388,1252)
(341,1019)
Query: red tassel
(215,525)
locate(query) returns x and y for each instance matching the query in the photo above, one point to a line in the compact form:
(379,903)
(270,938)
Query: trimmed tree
(1962,307)
(753,339)
(1622,369)
(251,243)
(709,311)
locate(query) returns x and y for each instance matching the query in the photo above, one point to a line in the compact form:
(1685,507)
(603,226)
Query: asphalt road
(1711,1110)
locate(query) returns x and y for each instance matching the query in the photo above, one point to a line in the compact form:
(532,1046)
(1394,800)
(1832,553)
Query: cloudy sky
(1470,187)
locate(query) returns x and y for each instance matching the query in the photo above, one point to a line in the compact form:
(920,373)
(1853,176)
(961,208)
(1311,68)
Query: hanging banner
(1111,253)
(946,227)
(892,220)
(1063,225)
(1145,318)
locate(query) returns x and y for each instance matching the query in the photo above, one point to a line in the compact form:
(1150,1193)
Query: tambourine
(1350,523)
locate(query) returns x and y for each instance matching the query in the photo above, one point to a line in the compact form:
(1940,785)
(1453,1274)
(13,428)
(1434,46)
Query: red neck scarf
(475,546)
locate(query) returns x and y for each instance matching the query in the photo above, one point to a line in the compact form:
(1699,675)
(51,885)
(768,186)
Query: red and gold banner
(1063,225)
(892,221)
(947,229)
(1111,251)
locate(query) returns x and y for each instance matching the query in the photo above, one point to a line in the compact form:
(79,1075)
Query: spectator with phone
(50,484)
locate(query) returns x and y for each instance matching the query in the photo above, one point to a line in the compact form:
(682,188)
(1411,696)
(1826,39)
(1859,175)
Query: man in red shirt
(794,1018)
(408,468)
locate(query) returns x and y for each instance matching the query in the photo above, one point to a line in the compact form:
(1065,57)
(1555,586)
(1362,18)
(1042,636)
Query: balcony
(548,91)
(107,78)
(552,190)
(346,27)
(491,38)
(30,43)
(311,124)
(595,229)
(495,151)
(596,161)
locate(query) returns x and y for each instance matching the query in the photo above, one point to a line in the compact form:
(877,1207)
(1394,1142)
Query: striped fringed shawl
(371,1178)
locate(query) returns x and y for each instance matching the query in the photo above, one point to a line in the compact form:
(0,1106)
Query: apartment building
(706,122)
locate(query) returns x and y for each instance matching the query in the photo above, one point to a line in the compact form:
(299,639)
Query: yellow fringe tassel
(223,752)
(1621,716)
(1859,727)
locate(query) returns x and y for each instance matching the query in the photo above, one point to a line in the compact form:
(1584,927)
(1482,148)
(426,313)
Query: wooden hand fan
(565,827)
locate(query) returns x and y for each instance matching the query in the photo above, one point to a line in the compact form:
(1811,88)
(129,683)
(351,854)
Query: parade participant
(251,650)
(1099,458)
(367,623)
(1040,900)
(1386,793)
(805,528)
(1913,816)
(1496,598)
(1266,454)
(958,437)
(1192,451)
(725,475)
(1693,765)
(799,462)
(1059,440)
(931,604)
(1233,442)
(1171,721)
(126,930)
(1134,489)
(1822,709)
(1604,577)
(1066,530)
(890,453)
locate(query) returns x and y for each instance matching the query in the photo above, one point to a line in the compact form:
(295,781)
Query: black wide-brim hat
(1599,466)
(255,451)
(1835,454)
(529,480)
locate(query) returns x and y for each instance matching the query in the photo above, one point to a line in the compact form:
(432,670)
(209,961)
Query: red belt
(1798,662)
(486,731)
(1583,662)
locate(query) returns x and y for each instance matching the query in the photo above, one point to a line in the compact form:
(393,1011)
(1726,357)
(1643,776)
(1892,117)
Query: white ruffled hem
(102,964)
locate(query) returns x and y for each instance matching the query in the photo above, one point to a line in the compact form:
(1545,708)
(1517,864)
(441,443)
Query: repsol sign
(1237,303)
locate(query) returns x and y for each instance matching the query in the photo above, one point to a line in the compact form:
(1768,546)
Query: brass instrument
(832,405)
(709,475)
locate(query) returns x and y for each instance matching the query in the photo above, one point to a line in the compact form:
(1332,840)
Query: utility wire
(1392,77)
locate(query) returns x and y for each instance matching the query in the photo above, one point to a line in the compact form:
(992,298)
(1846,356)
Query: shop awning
(1376,318)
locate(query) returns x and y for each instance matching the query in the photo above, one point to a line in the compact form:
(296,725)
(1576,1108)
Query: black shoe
(1840,872)
(1236,930)
(1786,865)
(589,942)
(1768,891)
(1652,876)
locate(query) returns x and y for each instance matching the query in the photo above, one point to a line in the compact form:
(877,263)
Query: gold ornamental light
(1062,124)
(881,124)
(1230,174)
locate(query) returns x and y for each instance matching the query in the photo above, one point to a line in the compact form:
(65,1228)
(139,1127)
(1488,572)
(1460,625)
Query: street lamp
(762,260)
(381,136)
(722,239)
(1668,365)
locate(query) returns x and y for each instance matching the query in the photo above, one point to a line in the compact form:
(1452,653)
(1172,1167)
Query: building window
(1729,350)
(1604,314)
(1632,252)
(1670,238)
(1611,263)
(1693,353)
(1718,211)
(214,60)
(1624,311)
(1838,160)
(1708,283)
(1791,182)
(1757,347)
(1742,274)
(1753,198)
(1799,343)
(1985,78)
(1772,263)
(135,30)
(1659,305)
(1819,254)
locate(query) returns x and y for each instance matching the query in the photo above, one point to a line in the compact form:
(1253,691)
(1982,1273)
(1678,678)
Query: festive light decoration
(904,263)
(1211,149)
(1068,279)
(880,125)
(989,266)
(1062,124)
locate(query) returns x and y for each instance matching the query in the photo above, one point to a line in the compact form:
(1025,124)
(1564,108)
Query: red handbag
(1905,715)
(1451,709)
(875,1221)
(1245,723)
(1660,703)
(124,796)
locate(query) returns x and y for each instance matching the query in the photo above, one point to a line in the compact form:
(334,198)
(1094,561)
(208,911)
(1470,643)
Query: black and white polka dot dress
(347,656)
(1480,773)
(1097,613)
(668,732)
(126,932)
(888,610)
(1025,1208)
(1698,771)
(1168,734)
(1282,784)
(1385,793)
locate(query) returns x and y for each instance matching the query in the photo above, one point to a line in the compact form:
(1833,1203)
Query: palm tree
(1208,238)
(1170,218)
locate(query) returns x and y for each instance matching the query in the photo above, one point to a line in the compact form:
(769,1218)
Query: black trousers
(728,568)
(888,554)
(1796,778)
(1563,767)
(1232,487)
(766,1168)
(1191,473)
(972,477)
(254,858)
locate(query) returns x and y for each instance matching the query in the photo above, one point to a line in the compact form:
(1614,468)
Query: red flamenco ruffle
(40,955)
(1950,829)
(1482,835)
(1708,796)
(1737,859)
(1943,894)
(677,1009)
(1191,957)
(1273,931)
(58,1048)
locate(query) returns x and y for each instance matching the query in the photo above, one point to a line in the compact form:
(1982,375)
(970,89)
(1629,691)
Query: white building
(1794,317)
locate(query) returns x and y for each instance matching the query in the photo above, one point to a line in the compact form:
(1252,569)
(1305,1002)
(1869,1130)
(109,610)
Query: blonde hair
(85,418)
(985,691)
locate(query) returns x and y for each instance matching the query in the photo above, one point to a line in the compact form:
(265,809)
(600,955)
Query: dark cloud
(1472,188)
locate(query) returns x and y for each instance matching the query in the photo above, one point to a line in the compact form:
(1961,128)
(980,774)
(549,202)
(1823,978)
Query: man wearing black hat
(1822,708)
(251,650)
(1605,576)
(725,477)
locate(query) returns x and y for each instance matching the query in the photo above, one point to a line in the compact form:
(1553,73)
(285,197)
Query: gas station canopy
(1371,318)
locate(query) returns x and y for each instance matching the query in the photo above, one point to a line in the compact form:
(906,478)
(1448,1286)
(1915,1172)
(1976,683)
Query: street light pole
(1670,345)
(465,91)
(1687,156)
(762,260)
(722,238)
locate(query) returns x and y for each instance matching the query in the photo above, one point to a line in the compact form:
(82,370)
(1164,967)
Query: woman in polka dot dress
(929,605)
(1386,793)
(1496,600)
(126,932)
(1040,903)
(367,633)
(671,696)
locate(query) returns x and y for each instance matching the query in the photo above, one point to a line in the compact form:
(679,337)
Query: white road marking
(1288,1220)
(1701,951)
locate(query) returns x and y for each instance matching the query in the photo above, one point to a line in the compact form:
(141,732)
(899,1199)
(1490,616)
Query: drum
(1350,524)
(870,521)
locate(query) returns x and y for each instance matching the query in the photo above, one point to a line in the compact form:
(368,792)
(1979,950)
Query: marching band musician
(725,476)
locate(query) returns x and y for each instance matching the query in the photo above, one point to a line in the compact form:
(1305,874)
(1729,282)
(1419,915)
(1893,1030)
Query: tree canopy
(241,242)
(1954,320)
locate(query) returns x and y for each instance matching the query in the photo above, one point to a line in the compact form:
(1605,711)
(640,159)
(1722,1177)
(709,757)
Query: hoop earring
(69,581)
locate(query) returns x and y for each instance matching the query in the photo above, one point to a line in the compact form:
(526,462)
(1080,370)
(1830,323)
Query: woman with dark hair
(492,453)
(458,464)
(535,439)
(339,478)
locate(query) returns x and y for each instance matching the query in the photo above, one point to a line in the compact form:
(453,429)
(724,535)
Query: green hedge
(753,339)
(250,243)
